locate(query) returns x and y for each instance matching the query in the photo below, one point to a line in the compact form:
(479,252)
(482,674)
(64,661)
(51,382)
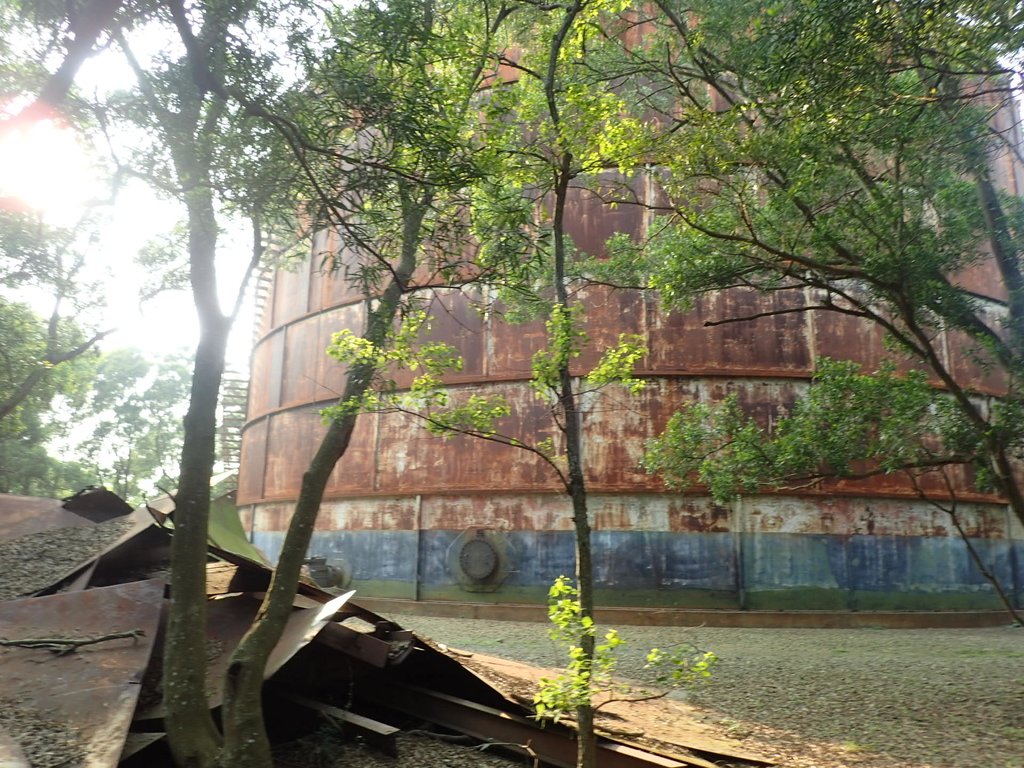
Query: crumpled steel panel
(24,515)
(228,619)
(45,545)
(94,688)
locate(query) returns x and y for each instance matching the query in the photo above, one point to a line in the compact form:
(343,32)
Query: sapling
(588,679)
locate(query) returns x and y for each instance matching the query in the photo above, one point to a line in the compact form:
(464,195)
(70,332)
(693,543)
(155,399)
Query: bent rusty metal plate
(141,535)
(228,619)
(145,554)
(43,545)
(24,515)
(94,688)
(97,504)
(237,574)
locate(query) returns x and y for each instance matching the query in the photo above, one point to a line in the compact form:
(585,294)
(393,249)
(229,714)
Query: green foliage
(847,424)
(133,418)
(28,466)
(566,341)
(843,154)
(583,676)
(617,363)
(403,349)
(394,96)
(715,446)
(592,675)
(166,258)
(28,346)
(48,361)
(477,415)
(681,665)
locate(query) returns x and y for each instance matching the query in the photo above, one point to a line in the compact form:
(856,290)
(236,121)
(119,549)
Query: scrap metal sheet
(24,515)
(228,619)
(94,688)
(43,545)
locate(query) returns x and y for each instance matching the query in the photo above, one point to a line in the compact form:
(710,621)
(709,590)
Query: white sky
(51,173)
(167,320)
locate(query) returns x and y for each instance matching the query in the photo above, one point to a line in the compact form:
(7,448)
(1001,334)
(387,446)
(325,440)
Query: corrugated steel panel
(610,313)
(668,549)
(411,459)
(510,348)
(847,338)
(456,319)
(968,360)
(336,281)
(680,342)
(253,463)
(265,378)
(291,293)
(526,512)
(375,514)
(327,373)
(293,437)
(392,452)
(356,472)
(593,221)
(400,499)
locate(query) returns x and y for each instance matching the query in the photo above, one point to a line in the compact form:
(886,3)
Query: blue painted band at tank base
(723,562)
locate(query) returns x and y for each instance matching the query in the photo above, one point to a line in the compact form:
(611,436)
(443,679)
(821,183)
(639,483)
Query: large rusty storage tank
(411,517)
(414,517)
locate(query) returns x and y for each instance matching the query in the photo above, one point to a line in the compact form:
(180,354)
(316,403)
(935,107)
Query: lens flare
(44,167)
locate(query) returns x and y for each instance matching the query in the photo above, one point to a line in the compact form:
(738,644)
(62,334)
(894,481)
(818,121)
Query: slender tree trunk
(983,569)
(191,733)
(245,741)
(586,749)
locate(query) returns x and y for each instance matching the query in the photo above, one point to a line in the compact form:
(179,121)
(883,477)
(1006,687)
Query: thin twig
(65,645)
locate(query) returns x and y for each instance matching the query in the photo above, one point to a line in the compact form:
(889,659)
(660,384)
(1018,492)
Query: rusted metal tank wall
(401,503)
(664,550)
(401,506)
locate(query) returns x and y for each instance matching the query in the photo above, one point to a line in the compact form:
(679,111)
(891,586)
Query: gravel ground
(44,740)
(39,560)
(326,749)
(875,698)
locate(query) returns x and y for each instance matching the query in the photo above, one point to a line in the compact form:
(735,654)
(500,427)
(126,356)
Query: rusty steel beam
(552,745)
(360,645)
(381,735)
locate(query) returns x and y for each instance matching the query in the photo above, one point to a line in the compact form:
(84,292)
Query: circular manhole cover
(478,559)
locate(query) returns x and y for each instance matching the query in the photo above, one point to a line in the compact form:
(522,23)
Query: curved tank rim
(699,493)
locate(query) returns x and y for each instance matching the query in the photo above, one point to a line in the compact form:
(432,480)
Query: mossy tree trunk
(568,399)
(191,733)
(244,735)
